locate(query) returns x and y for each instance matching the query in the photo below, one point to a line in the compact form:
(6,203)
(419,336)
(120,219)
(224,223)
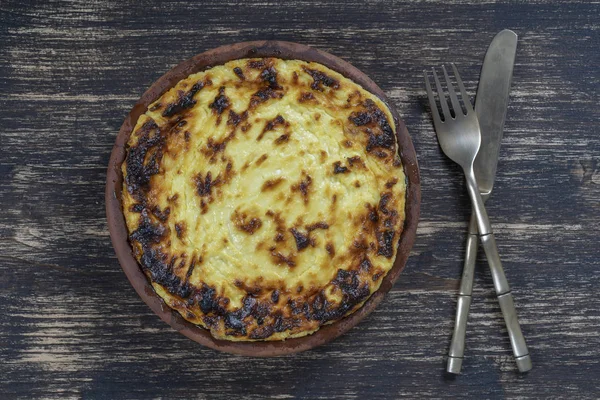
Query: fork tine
(452,93)
(442,96)
(434,110)
(463,92)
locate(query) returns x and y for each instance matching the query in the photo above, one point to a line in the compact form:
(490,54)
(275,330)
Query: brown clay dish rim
(118,230)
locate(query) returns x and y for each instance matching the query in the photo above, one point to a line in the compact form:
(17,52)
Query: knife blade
(490,105)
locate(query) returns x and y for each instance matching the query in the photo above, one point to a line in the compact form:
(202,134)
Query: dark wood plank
(71,325)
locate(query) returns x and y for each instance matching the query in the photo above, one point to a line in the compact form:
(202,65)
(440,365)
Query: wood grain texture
(72,327)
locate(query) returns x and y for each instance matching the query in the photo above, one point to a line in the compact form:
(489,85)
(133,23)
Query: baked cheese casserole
(264,197)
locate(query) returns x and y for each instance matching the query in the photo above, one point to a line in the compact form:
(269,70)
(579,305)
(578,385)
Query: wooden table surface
(71,326)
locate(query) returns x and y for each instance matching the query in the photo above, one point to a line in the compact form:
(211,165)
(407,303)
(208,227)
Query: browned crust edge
(118,229)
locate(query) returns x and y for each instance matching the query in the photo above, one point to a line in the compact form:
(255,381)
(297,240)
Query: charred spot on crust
(251,309)
(390,184)
(385,242)
(263,95)
(320,79)
(228,172)
(240,74)
(333,202)
(365,265)
(271,125)
(354,99)
(383,202)
(174,266)
(279,259)
(278,120)
(275,296)
(323,156)
(246,224)
(305,96)
(271,184)
(317,225)
(382,223)
(373,216)
(208,300)
(269,75)
(140,167)
(250,289)
(279,226)
(162,215)
(155,262)
(298,306)
(302,240)
(348,281)
(391,220)
(203,206)
(262,332)
(195,261)
(374,117)
(360,244)
(210,321)
(353,293)
(155,107)
(256,64)
(282,139)
(147,232)
(184,101)
(303,186)
(213,147)
(136,208)
(338,168)
(385,139)
(261,159)
(221,102)
(235,118)
(330,249)
(180,229)
(360,118)
(204,186)
(356,160)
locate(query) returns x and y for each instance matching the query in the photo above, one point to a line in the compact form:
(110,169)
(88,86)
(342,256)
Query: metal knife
(490,105)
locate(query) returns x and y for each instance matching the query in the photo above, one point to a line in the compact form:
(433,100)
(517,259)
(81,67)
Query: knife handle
(457,345)
(507,304)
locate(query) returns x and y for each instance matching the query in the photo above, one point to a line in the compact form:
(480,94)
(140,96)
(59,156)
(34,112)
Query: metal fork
(460,138)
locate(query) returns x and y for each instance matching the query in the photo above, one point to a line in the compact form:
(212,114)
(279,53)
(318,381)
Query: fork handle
(457,345)
(501,286)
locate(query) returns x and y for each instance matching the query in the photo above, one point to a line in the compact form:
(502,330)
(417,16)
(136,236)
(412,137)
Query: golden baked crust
(264,197)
